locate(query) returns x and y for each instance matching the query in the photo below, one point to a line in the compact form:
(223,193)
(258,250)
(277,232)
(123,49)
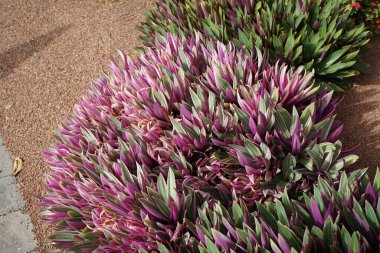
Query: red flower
(373,12)
(356,5)
(378,27)
(373,4)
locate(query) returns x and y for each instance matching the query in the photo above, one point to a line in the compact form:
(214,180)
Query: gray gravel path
(16,234)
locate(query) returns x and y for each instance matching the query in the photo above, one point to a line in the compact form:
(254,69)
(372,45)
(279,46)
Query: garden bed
(61,50)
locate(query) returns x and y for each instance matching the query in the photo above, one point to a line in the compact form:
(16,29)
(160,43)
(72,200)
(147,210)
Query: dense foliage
(340,218)
(219,123)
(217,139)
(318,34)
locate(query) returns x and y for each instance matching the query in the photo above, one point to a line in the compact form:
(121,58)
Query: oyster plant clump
(190,125)
(320,35)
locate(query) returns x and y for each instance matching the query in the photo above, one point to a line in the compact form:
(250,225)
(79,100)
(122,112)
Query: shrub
(317,34)
(368,12)
(218,124)
(341,218)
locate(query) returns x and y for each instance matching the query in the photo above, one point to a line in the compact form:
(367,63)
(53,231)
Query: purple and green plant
(341,217)
(317,34)
(218,124)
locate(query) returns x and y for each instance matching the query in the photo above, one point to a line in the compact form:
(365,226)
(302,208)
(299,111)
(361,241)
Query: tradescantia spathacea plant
(341,217)
(188,124)
(318,34)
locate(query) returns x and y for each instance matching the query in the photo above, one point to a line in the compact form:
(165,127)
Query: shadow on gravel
(360,113)
(360,127)
(12,58)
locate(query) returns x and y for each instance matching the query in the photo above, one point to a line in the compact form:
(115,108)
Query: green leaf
(295,119)
(304,214)
(267,216)
(184,60)
(289,45)
(283,121)
(297,53)
(317,232)
(242,115)
(288,166)
(151,206)
(316,157)
(343,183)
(253,150)
(281,214)
(164,207)
(328,232)
(196,100)
(90,137)
(376,181)
(371,217)
(85,245)
(245,40)
(161,99)
(63,237)
(286,201)
(225,85)
(334,68)
(344,162)
(354,245)
(162,248)
(259,57)
(332,58)
(266,151)
(346,239)
(277,43)
(306,237)
(171,184)
(307,113)
(237,214)
(126,175)
(290,236)
(211,246)
(89,236)
(211,101)
(177,126)
(116,122)
(162,188)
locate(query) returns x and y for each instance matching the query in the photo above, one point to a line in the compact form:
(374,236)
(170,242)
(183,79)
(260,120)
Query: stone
(10,196)
(16,233)
(6,165)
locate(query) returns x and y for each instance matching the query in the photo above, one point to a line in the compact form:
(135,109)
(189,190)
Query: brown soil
(51,50)
(49,53)
(360,112)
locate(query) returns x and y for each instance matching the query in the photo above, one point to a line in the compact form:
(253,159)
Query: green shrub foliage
(317,34)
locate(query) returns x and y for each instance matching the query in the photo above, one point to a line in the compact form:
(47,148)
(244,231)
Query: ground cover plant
(220,137)
(341,218)
(191,124)
(319,34)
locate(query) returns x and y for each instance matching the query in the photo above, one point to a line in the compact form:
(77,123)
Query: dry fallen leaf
(17,166)
(7,107)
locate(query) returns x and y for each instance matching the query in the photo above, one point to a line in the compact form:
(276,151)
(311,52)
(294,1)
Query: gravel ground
(49,53)
(360,112)
(51,50)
